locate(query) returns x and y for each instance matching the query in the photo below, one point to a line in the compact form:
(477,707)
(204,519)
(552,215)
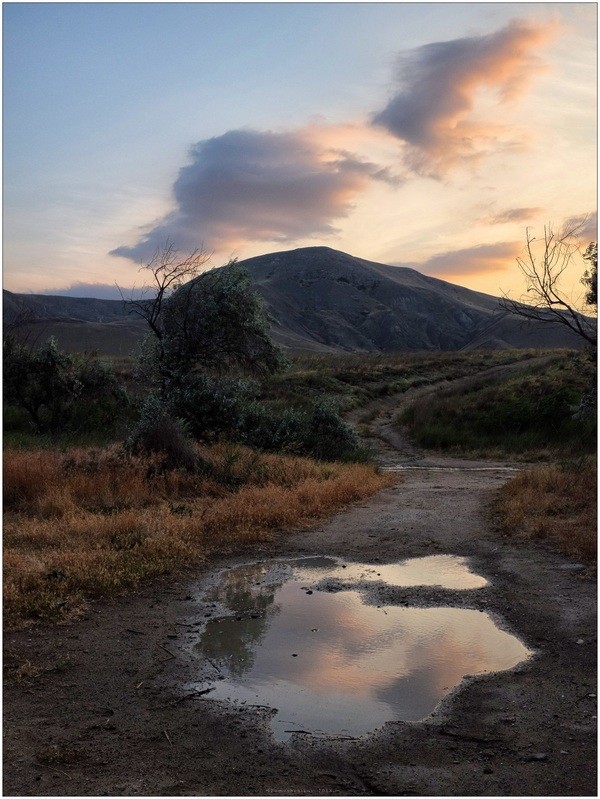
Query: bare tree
(543,265)
(167,272)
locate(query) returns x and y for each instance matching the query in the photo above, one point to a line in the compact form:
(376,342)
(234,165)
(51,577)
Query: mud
(108,708)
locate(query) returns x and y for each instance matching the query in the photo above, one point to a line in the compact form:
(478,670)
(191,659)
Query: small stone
(539,756)
(309,592)
(294,655)
(488,770)
(580,641)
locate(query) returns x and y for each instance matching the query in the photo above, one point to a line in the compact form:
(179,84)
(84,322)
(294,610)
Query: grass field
(354,379)
(529,414)
(83,523)
(555,503)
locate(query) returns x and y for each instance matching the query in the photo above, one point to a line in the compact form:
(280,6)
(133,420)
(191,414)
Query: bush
(319,432)
(218,409)
(157,432)
(52,386)
(212,408)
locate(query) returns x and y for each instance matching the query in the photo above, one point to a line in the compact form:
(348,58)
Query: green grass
(355,379)
(526,414)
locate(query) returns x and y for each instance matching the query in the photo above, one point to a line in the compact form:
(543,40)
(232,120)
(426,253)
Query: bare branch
(166,271)
(543,266)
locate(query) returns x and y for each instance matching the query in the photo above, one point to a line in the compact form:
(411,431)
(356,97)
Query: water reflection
(330,663)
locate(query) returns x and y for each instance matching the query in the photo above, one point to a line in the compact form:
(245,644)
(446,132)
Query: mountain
(326,300)
(322,300)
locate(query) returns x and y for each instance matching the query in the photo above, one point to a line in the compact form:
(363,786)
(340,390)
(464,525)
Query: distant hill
(326,300)
(321,300)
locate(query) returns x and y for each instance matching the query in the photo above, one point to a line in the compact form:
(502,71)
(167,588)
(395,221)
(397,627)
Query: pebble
(539,756)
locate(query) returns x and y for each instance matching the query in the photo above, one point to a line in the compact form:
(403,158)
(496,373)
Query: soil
(101,705)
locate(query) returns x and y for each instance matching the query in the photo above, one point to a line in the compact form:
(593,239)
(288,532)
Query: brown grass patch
(556,504)
(96,522)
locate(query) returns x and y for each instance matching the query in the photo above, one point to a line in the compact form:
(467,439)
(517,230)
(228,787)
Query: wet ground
(120,704)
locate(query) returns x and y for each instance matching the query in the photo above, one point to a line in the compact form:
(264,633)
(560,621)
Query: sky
(429,135)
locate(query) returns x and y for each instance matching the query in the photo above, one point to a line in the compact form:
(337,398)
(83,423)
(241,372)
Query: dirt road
(104,710)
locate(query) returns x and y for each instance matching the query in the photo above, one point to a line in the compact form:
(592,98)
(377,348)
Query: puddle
(332,665)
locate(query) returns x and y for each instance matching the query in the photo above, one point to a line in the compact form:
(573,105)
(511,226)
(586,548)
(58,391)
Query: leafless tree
(543,265)
(166,271)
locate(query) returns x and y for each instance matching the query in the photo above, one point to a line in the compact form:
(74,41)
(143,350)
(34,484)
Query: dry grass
(555,504)
(95,522)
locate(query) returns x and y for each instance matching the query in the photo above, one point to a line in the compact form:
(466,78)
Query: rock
(309,592)
(539,756)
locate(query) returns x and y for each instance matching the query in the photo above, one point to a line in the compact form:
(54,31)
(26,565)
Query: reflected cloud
(329,661)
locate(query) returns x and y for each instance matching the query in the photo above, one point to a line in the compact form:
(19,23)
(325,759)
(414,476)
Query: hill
(321,300)
(326,300)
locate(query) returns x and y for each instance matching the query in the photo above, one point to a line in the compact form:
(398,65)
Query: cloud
(513,215)
(584,225)
(439,84)
(481,259)
(249,185)
(100,291)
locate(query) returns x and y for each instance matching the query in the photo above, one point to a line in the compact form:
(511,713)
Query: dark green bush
(56,390)
(158,432)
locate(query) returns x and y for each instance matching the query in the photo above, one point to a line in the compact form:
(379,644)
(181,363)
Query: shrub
(58,390)
(158,432)
(213,408)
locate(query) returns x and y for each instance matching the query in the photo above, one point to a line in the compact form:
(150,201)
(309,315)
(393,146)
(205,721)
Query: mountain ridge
(324,300)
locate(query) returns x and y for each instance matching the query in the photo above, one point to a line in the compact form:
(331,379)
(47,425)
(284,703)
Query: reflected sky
(331,664)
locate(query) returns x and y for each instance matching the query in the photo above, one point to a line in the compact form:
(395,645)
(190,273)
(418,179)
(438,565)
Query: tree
(167,272)
(590,276)
(543,266)
(213,322)
(218,324)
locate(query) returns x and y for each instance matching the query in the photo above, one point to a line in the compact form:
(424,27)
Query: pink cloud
(433,109)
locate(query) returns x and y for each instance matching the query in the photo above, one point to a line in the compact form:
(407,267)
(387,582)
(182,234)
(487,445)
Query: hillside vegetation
(535,415)
(532,414)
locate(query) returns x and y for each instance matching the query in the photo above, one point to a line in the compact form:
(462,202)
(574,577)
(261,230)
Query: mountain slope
(323,300)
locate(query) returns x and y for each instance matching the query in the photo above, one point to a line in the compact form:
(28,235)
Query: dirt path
(107,713)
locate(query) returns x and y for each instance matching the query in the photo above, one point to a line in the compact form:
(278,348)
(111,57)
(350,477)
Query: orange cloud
(473,260)
(513,215)
(439,82)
